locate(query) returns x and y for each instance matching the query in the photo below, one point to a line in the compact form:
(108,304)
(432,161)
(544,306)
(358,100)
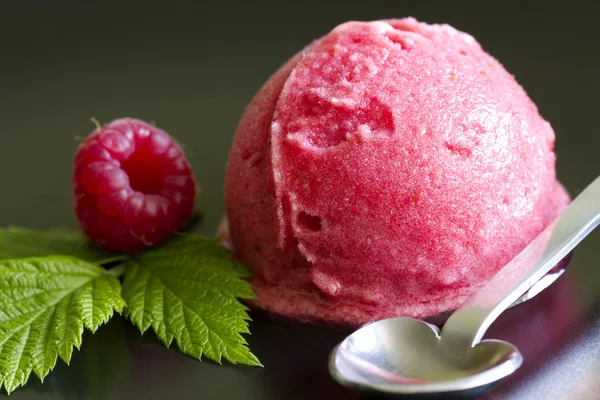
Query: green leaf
(45,303)
(25,243)
(187,290)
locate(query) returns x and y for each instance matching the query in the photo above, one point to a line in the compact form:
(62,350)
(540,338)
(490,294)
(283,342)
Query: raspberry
(133,186)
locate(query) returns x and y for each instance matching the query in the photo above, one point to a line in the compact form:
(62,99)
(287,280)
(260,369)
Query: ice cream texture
(388,169)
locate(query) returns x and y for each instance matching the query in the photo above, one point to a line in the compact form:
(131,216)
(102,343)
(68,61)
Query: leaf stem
(114,261)
(117,271)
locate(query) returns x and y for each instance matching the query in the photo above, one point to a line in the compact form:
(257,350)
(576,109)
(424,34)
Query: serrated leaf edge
(64,353)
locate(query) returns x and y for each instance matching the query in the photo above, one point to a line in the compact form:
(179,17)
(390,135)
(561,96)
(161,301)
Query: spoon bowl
(401,356)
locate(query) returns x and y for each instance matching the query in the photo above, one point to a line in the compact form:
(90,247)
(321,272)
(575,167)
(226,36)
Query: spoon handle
(468,324)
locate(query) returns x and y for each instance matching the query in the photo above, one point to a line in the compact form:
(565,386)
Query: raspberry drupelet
(133,186)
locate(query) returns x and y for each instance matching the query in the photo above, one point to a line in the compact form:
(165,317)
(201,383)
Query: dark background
(192,66)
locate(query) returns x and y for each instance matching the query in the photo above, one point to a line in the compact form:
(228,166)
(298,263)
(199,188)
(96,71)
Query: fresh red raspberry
(133,186)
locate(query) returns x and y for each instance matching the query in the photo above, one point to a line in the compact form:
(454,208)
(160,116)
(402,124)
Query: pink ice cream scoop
(388,169)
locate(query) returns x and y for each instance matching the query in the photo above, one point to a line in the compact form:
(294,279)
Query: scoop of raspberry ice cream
(388,169)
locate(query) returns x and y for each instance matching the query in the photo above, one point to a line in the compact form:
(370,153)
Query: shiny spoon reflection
(408,357)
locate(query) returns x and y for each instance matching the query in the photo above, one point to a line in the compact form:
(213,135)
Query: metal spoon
(405,356)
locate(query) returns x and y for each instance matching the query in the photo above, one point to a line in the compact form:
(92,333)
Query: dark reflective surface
(192,67)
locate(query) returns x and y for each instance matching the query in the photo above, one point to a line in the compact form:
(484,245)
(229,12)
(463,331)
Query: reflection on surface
(554,381)
(95,372)
(541,323)
(540,328)
(305,349)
